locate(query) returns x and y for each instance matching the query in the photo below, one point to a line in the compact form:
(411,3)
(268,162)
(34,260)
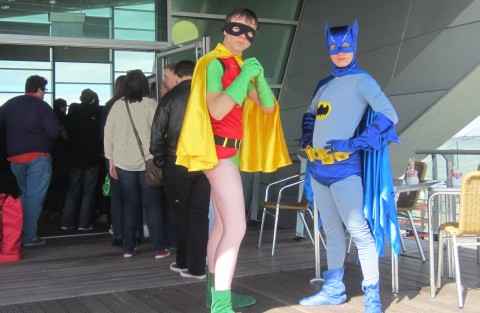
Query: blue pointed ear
(355,30)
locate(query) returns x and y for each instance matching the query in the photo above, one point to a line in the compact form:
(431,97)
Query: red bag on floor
(11,223)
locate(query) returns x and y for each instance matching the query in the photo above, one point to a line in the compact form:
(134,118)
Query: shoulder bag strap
(139,142)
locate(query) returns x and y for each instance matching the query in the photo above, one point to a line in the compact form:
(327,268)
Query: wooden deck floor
(86,274)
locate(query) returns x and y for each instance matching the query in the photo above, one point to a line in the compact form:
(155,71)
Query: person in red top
(31,128)
(228,85)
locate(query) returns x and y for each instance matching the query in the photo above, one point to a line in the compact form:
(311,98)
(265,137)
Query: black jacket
(167,123)
(82,125)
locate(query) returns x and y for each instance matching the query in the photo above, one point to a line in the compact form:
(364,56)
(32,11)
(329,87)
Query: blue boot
(333,290)
(372,298)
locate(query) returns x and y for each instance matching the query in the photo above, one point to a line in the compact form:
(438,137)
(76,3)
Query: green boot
(238,301)
(221,301)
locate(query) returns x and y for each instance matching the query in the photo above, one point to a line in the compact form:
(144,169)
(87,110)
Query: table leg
(394,274)
(431,258)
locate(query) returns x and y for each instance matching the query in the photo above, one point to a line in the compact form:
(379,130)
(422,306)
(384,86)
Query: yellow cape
(263,146)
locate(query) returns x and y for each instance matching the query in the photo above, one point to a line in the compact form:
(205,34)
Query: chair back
(469,220)
(408,201)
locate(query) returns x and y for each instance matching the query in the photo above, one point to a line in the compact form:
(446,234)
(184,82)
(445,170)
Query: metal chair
(408,202)
(468,225)
(303,206)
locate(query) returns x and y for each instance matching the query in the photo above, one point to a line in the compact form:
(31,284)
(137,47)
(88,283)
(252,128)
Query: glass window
(73,77)
(134,19)
(129,60)
(101,12)
(25,64)
(127,34)
(284,9)
(68,72)
(13,80)
(35,18)
(71,92)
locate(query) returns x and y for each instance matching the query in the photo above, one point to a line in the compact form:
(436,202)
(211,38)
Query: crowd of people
(215,118)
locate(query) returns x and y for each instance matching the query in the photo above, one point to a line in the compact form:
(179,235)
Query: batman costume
(345,133)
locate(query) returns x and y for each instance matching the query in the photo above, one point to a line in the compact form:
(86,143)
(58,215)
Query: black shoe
(117,242)
(38,242)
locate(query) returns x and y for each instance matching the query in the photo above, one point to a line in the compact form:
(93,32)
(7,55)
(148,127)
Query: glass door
(191,50)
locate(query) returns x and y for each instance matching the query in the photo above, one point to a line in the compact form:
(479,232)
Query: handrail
(447,155)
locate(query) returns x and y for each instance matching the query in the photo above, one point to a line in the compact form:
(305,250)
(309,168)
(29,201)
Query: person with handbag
(126,142)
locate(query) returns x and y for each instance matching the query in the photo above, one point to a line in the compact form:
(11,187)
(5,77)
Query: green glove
(238,88)
(265,94)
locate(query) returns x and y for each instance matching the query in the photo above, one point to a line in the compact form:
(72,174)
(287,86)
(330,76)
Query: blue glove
(370,139)
(341,146)
(308,123)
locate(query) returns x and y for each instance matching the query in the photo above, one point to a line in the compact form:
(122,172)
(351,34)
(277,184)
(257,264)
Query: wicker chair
(273,208)
(408,202)
(468,225)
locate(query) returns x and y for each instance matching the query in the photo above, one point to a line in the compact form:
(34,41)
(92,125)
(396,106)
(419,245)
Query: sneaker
(187,274)
(66,227)
(162,255)
(174,267)
(86,228)
(128,254)
(38,242)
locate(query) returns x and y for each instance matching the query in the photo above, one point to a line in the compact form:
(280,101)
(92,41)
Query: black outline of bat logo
(323,109)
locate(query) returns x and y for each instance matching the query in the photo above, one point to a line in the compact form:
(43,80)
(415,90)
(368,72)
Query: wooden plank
(89,275)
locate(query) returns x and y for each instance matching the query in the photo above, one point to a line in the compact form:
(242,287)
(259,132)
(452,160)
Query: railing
(451,157)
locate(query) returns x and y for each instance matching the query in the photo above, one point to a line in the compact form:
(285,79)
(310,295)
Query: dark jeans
(189,197)
(168,223)
(57,191)
(33,178)
(81,190)
(137,195)
(116,211)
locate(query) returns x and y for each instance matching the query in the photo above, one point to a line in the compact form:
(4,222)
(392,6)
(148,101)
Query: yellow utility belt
(326,159)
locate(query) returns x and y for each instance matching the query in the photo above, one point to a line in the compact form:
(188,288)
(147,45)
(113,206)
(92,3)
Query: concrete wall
(423,53)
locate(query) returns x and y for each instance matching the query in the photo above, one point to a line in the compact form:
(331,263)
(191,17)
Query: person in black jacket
(187,192)
(84,147)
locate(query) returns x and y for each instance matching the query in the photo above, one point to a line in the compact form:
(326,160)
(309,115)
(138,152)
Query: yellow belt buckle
(342,156)
(310,153)
(225,141)
(235,145)
(327,159)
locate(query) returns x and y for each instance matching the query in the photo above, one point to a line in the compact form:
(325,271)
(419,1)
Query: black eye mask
(243,29)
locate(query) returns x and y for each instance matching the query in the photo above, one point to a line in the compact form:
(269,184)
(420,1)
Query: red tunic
(230,125)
